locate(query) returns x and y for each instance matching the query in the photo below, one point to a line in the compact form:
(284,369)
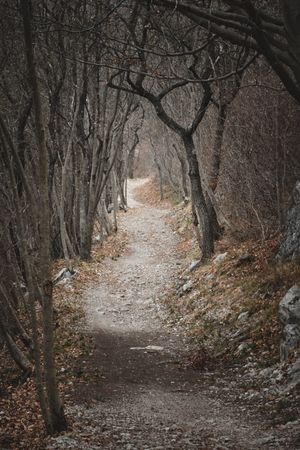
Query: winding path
(143,399)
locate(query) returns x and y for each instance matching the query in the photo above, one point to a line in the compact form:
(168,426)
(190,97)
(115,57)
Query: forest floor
(152,355)
(140,390)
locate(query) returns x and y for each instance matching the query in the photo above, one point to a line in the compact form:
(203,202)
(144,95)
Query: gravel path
(143,398)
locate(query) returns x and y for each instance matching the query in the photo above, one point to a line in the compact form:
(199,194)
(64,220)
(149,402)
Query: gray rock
(184,286)
(294,372)
(290,339)
(289,307)
(149,348)
(290,245)
(194,265)
(188,286)
(289,315)
(220,258)
(63,274)
(243,347)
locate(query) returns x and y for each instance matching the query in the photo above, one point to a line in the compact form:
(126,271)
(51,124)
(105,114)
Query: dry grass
(150,194)
(221,292)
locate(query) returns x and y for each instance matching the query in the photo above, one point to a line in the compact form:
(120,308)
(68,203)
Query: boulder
(290,339)
(289,315)
(289,307)
(294,372)
(290,245)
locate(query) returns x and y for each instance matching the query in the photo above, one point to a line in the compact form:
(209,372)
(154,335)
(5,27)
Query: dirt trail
(143,399)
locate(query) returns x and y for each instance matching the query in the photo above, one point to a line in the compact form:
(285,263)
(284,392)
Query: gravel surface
(143,399)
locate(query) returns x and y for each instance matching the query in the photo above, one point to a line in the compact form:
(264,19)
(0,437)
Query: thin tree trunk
(16,353)
(131,157)
(184,172)
(56,412)
(198,199)
(217,148)
(115,200)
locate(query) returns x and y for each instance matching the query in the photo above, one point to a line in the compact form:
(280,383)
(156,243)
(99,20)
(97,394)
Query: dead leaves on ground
(221,292)
(21,425)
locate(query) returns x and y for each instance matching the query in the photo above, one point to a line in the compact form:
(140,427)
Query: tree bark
(217,148)
(56,413)
(198,199)
(184,172)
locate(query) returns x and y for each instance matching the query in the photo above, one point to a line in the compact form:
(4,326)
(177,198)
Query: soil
(139,395)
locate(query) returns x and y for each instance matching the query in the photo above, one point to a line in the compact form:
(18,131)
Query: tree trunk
(217,148)
(87,237)
(198,199)
(56,413)
(131,159)
(16,353)
(184,181)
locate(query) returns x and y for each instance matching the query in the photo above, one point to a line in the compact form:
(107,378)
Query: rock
(194,265)
(294,372)
(184,286)
(63,274)
(220,258)
(154,348)
(289,307)
(295,368)
(290,339)
(289,315)
(149,348)
(242,347)
(243,316)
(187,287)
(290,245)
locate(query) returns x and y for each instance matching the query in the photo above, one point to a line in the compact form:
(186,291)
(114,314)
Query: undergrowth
(212,311)
(21,424)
